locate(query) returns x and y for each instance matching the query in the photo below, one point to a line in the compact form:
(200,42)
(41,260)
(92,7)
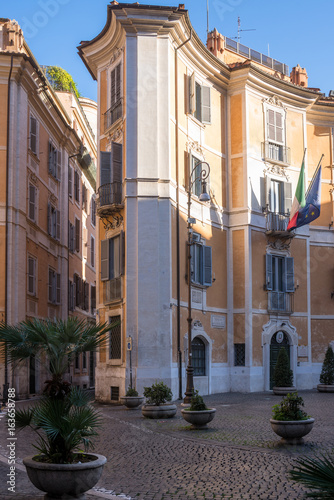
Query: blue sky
(297,31)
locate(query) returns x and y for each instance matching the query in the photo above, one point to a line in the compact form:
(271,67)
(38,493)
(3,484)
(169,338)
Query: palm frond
(23,418)
(316,474)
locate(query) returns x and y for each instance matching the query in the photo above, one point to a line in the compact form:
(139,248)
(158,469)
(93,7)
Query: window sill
(196,121)
(276,162)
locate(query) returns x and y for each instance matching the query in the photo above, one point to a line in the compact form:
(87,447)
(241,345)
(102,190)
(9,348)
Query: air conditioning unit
(331,93)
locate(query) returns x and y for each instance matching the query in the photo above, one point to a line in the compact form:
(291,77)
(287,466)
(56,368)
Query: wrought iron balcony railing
(280,302)
(112,114)
(112,290)
(277,223)
(275,152)
(109,194)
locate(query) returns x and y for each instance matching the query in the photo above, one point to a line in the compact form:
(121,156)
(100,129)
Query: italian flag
(299,199)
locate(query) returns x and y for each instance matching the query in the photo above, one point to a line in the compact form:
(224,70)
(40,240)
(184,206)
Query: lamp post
(204,196)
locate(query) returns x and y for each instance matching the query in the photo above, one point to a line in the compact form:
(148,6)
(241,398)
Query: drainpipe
(5,387)
(178,280)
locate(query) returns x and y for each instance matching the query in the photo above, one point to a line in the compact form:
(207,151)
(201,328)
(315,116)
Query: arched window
(198,356)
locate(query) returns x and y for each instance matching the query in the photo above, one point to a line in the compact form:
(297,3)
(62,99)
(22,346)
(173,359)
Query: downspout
(178,280)
(5,388)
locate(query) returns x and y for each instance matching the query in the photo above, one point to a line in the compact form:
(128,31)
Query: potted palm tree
(63,419)
(198,414)
(157,404)
(131,399)
(290,421)
(327,372)
(283,375)
(317,474)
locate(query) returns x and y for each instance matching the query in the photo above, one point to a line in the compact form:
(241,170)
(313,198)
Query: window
(115,85)
(77,361)
(85,301)
(92,299)
(93,211)
(84,361)
(54,287)
(275,135)
(70,182)
(196,167)
(111,165)
(201,262)
(278,195)
(53,222)
(112,257)
(71,296)
(32,201)
(115,339)
(32,275)
(54,161)
(84,198)
(92,251)
(239,354)
(33,135)
(198,356)
(77,235)
(77,290)
(76,186)
(279,281)
(199,100)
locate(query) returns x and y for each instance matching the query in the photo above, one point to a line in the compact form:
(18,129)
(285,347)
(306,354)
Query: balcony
(109,198)
(280,302)
(276,225)
(276,153)
(113,114)
(112,290)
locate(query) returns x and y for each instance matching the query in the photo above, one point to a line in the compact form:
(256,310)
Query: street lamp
(204,196)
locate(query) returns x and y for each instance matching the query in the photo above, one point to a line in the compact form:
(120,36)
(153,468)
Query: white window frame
(92,251)
(273,143)
(36,151)
(33,276)
(196,85)
(199,268)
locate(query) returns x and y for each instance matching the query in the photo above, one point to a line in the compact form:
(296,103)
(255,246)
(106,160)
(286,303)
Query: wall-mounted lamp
(331,224)
(297,285)
(332,295)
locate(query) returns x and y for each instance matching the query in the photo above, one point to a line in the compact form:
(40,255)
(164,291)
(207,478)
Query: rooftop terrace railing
(256,56)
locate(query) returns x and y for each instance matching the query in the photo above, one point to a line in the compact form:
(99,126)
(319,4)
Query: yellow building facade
(47,205)
(168,106)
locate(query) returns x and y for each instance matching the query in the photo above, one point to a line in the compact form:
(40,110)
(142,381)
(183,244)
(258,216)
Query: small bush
(197,403)
(290,408)
(283,375)
(327,372)
(158,394)
(131,392)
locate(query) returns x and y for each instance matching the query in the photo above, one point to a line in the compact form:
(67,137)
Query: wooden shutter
(93,297)
(84,198)
(207,266)
(206,105)
(84,242)
(192,100)
(118,82)
(92,251)
(77,235)
(31,275)
(105,272)
(50,158)
(49,220)
(287,197)
(57,216)
(192,261)
(105,168)
(58,169)
(113,87)
(70,182)
(33,134)
(267,184)
(271,125)
(117,162)
(289,275)
(269,272)
(279,126)
(58,288)
(32,202)
(86,299)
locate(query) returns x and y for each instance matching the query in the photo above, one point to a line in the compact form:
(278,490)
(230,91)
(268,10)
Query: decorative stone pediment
(274,169)
(274,101)
(194,146)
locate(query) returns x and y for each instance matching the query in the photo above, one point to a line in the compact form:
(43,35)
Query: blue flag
(311,210)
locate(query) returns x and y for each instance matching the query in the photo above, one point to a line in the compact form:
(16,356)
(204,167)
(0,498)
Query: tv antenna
(239,31)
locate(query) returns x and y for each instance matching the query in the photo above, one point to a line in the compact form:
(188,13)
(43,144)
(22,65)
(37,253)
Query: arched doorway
(198,357)
(278,340)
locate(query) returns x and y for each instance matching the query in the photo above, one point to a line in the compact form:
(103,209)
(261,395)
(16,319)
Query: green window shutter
(289,275)
(105,168)
(287,197)
(207,266)
(206,105)
(105,272)
(116,162)
(269,272)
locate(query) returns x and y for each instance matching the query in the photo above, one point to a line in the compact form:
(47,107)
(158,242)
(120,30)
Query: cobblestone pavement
(238,457)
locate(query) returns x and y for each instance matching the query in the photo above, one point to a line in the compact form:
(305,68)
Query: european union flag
(311,210)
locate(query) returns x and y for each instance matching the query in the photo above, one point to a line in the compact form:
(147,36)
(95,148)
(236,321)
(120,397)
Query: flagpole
(314,176)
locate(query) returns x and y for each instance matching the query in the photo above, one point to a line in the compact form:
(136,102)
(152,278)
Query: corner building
(167,103)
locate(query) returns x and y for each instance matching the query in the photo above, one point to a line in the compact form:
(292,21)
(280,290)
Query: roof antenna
(207,17)
(239,31)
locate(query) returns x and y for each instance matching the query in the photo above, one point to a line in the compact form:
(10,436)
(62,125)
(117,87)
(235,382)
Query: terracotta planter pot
(162,411)
(292,431)
(65,479)
(283,391)
(325,388)
(199,419)
(132,402)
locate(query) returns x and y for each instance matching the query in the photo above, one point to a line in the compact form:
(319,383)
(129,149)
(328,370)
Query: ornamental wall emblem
(194,146)
(274,101)
(197,324)
(278,244)
(53,198)
(116,135)
(116,55)
(275,170)
(33,178)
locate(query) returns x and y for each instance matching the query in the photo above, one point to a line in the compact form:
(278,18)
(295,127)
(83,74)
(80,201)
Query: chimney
(215,42)
(298,76)
(12,36)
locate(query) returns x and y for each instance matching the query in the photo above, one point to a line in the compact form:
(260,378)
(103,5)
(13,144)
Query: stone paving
(238,457)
